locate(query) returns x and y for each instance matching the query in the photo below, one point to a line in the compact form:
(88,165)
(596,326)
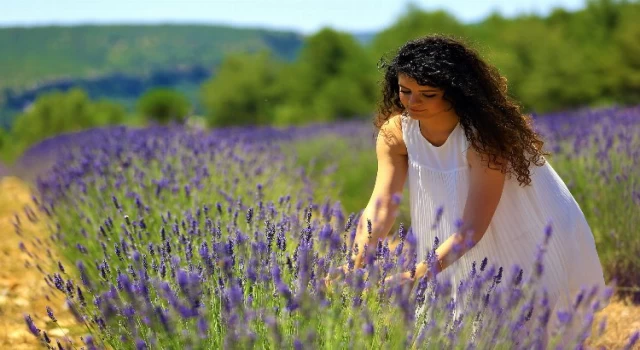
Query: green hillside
(38,54)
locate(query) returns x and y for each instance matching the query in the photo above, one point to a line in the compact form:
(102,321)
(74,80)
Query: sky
(304,16)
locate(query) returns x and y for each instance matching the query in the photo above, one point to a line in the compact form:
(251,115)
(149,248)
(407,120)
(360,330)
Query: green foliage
(412,25)
(6,149)
(243,92)
(3,138)
(566,59)
(163,106)
(626,68)
(61,112)
(332,79)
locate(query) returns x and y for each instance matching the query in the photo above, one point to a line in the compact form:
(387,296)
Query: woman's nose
(414,99)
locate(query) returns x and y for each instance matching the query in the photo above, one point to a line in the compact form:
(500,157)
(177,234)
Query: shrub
(164,106)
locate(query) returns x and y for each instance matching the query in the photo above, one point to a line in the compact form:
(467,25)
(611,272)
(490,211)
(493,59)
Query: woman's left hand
(401,278)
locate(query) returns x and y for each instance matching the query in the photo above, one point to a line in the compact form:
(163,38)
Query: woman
(476,169)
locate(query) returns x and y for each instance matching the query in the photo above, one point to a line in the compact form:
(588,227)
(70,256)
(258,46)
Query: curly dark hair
(492,121)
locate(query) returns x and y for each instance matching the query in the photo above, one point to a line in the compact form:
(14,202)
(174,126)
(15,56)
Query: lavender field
(177,238)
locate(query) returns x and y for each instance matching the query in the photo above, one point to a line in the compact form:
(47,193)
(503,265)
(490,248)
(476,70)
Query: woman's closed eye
(409,92)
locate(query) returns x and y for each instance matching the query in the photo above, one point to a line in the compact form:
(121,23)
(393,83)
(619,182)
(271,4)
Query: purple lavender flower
(46,337)
(141,344)
(88,341)
(632,340)
(50,314)
(32,327)
(547,233)
(61,267)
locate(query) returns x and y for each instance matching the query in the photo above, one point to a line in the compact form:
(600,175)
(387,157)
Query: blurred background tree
(331,79)
(242,90)
(163,105)
(413,24)
(3,139)
(56,113)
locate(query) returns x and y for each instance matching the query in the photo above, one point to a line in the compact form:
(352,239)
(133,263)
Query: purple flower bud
(608,293)
(325,232)
(141,344)
(50,314)
(183,279)
(203,327)
(412,240)
(349,222)
(602,326)
(368,328)
(164,319)
(58,282)
(483,265)
(187,312)
(579,299)
(124,283)
(74,311)
(128,311)
(547,233)
(564,317)
(32,327)
(249,215)
(88,340)
(632,340)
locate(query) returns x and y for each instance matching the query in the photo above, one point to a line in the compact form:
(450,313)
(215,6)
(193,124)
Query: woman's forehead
(406,80)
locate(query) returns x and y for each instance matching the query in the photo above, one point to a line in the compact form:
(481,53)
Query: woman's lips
(416,110)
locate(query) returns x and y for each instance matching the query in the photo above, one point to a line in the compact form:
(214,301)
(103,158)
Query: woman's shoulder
(391,132)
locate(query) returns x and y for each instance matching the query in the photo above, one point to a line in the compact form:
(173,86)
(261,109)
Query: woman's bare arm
(391,153)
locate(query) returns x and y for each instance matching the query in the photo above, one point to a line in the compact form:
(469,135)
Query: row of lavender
(177,238)
(597,152)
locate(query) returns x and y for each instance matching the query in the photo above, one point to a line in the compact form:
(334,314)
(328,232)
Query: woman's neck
(438,129)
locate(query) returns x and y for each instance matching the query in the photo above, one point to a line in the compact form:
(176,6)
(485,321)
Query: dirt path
(24,291)
(22,287)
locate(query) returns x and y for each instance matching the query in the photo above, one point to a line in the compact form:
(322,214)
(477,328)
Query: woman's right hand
(336,275)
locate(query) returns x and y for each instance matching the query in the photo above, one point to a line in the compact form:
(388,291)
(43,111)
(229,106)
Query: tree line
(562,61)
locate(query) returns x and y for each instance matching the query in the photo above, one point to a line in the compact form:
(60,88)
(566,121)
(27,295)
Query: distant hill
(39,55)
(120,62)
(113,85)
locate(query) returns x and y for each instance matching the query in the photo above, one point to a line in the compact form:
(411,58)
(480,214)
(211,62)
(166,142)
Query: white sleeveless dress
(438,177)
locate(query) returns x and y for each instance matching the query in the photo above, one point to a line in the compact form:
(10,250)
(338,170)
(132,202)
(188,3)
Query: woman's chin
(415,115)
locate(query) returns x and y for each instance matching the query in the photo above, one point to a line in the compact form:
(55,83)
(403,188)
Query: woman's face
(421,101)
